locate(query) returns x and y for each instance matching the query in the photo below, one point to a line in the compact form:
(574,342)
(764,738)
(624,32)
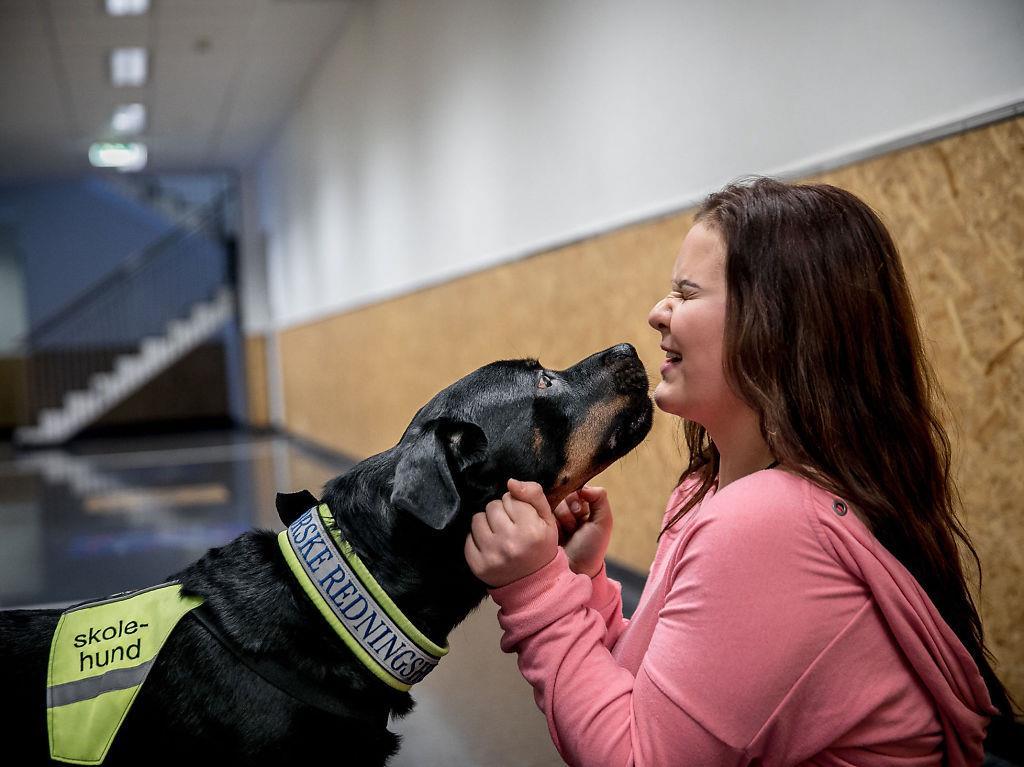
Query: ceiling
(223,76)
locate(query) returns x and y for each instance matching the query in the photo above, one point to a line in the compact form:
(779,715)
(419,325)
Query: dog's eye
(544,381)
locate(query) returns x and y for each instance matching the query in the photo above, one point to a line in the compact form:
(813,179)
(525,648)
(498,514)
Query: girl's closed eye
(682,290)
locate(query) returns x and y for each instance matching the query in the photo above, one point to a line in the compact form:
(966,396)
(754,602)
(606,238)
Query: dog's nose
(618,353)
(626,369)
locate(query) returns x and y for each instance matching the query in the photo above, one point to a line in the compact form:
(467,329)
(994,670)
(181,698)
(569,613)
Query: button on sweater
(774,629)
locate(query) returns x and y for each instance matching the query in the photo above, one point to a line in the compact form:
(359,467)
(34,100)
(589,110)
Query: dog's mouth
(624,433)
(627,431)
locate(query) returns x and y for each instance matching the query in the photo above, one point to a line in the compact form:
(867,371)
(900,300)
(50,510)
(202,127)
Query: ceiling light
(129,119)
(124,157)
(127,7)
(128,66)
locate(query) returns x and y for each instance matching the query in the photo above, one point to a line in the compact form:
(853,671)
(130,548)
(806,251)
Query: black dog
(256,675)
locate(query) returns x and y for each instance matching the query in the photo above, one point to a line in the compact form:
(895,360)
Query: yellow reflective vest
(100,655)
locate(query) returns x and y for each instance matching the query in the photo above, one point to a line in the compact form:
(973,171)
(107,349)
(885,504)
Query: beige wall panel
(12,392)
(256,380)
(368,371)
(955,208)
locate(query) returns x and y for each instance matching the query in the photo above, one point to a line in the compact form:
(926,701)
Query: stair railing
(135,301)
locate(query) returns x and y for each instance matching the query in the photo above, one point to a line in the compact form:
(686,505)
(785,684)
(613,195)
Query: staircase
(120,334)
(82,407)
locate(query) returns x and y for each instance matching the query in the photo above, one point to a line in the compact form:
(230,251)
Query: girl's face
(691,321)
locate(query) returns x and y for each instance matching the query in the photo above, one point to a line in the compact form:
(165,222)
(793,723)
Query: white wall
(445,136)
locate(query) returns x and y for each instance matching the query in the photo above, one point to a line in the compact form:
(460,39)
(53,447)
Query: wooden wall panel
(956,209)
(258,408)
(12,392)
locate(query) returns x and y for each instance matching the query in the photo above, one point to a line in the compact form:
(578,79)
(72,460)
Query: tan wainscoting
(354,381)
(956,208)
(12,392)
(258,407)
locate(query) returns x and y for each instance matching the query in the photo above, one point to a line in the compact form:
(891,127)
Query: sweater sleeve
(606,596)
(598,713)
(606,599)
(730,641)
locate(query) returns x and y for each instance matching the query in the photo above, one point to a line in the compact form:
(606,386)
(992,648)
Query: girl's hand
(585,518)
(512,537)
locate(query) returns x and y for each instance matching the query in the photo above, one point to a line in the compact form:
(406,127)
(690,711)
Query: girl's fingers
(595,498)
(528,494)
(566,518)
(581,511)
(479,529)
(474,557)
(498,518)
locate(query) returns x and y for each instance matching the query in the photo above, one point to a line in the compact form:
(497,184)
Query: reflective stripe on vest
(100,655)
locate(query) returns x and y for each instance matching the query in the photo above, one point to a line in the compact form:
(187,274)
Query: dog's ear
(430,464)
(291,506)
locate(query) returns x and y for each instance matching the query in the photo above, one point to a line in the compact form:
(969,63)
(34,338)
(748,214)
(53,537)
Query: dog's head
(517,419)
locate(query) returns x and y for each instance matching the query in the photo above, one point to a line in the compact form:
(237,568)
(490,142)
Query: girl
(806,603)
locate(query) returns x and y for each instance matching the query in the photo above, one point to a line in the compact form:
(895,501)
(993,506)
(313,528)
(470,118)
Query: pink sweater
(772,631)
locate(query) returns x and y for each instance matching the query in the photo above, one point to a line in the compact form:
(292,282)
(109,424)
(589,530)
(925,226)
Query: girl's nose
(658,317)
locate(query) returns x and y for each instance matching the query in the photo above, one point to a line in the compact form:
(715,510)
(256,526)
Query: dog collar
(354,604)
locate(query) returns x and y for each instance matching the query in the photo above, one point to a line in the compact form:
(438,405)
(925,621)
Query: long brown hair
(821,340)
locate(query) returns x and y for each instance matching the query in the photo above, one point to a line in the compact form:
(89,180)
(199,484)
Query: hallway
(108,515)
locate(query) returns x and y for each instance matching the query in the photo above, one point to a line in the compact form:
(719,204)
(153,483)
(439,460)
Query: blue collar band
(354,604)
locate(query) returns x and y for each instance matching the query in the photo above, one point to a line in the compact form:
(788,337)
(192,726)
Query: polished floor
(109,515)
